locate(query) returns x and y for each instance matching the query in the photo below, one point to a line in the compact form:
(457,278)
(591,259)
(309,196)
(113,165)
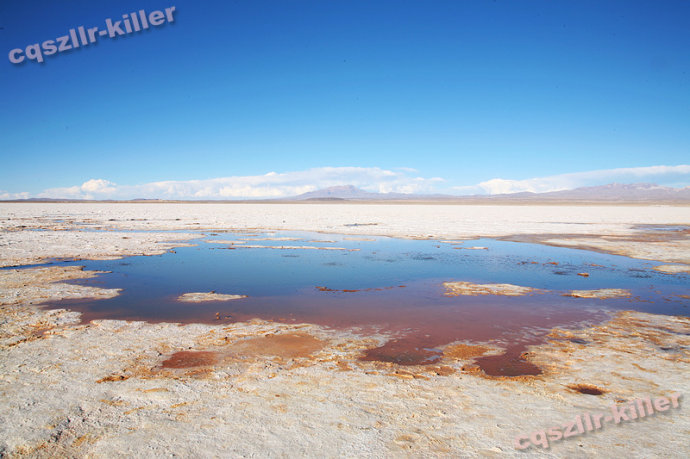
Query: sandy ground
(114,388)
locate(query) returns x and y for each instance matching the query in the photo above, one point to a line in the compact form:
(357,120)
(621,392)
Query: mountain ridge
(609,192)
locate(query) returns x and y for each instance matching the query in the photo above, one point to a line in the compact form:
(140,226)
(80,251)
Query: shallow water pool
(383,284)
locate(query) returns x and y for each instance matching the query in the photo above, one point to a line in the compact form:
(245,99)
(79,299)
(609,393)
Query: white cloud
(269,185)
(5,196)
(401,180)
(668,175)
(97,186)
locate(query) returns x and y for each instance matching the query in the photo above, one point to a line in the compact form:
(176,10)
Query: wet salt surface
(390,285)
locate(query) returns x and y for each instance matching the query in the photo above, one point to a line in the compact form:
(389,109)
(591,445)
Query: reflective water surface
(383,284)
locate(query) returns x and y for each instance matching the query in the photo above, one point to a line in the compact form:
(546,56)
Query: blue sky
(410,96)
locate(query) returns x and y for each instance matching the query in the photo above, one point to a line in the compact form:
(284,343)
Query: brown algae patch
(472,289)
(601,294)
(199,297)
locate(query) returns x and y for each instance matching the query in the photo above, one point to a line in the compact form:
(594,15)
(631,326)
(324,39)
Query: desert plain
(107,388)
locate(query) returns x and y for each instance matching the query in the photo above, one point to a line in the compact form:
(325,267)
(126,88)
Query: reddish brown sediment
(111,378)
(509,364)
(190,359)
(402,352)
(287,346)
(464,351)
(587,389)
(418,333)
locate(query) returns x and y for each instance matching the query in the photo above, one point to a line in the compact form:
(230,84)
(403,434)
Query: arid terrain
(262,388)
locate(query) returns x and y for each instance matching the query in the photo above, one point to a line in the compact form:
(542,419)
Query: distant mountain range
(350,192)
(614,192)
(636,192)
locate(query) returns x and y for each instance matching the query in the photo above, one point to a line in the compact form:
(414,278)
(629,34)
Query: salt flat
(613,229)
(103,388)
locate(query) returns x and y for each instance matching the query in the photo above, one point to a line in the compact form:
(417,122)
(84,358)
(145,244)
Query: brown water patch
(511,363)
(191,359)
(587,389)
(419,318)
(401,352)
(286,345)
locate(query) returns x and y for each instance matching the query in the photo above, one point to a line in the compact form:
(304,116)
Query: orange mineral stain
(464,351)
(286,345)
(191,359)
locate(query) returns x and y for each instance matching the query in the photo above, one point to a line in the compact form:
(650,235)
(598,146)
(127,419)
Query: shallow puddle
(383,284)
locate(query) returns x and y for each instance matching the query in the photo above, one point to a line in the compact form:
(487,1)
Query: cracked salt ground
(74,388)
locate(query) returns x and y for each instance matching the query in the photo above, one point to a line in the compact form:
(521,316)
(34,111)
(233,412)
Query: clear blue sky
(463,90)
